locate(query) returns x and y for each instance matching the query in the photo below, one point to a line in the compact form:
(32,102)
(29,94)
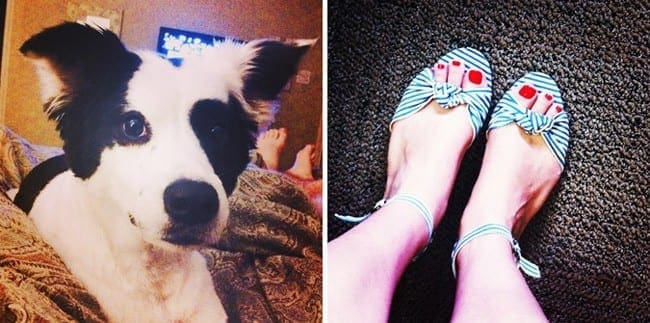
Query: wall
(301,106)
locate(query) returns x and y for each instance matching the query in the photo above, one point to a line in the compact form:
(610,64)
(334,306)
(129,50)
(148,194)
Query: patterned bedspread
(267,267)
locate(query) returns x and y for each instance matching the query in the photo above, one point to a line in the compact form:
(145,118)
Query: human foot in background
(270,145)
(303,165)
(301,171)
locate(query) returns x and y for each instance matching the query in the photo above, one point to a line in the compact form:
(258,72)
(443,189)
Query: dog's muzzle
(191,203)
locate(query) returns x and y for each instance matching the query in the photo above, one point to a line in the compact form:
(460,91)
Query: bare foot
(302,167)
(270,145)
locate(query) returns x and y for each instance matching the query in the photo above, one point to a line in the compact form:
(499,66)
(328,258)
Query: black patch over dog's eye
(219,134)
(225,132)
(133,129)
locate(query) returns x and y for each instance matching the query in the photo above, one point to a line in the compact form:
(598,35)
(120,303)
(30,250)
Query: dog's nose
(191,202)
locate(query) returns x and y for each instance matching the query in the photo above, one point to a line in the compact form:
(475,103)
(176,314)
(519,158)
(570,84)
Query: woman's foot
(270,145)
(303,165)
(424,154)
(518,171)
(425,149)
(517,175)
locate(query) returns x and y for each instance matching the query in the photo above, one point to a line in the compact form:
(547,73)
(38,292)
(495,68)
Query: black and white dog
(151,153)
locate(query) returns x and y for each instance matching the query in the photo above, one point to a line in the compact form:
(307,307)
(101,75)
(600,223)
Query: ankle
(475,216)
(492,248)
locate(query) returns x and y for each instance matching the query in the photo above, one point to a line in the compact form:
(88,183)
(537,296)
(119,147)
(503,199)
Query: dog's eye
(133,129)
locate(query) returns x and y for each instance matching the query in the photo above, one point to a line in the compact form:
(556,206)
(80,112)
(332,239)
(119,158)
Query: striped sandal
(420,92)
(525,265)
(408,199)
(424,88)
(554,130)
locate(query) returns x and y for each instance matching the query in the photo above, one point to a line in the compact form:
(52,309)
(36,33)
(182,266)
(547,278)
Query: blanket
(266,268)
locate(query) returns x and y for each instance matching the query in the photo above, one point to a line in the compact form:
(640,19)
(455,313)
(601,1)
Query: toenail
(548,97)
(527,91)
(475,77)
(441,66)
(455,63)
(558,108)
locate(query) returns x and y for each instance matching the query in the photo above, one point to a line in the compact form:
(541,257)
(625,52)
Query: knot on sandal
(532,122)
(554,130)
(447,95)
(423,89)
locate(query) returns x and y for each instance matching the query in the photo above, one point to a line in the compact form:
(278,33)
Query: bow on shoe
(448,95)
(533,122)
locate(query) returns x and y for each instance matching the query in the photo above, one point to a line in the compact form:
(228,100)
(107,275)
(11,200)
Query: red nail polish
(548,97)
(527,91)
(558,108)
(475,77)
(455,63)
(441,66)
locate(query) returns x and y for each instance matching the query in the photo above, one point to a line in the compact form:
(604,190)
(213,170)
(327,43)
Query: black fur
(36,180)
(226,134)
(95,69)
(276,62)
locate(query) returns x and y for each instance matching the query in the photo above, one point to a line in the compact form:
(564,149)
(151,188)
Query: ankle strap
(409,199)
(525,265)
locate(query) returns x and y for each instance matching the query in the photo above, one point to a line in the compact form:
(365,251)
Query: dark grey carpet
(592,237)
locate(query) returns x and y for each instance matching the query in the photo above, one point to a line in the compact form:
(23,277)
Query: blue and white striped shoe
(424,88)
(553,129)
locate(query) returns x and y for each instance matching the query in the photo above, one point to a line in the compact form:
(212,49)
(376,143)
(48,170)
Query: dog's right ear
(72,59)
(272,63)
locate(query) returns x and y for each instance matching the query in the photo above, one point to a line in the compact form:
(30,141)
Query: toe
(281,134)
(474,78)
(543,102)
(554,110)
(440,73)
(525,95)
(308,150)
(456,72)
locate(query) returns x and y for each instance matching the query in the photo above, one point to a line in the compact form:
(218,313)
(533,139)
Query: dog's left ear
(273,63)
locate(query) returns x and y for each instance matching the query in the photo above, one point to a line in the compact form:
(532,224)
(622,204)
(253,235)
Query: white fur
(108,227)
(124,265)
(53,90)
(111,257)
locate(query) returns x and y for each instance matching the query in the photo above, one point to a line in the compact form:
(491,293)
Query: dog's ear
(84,73)
(269,69)
(273,64)
(72,58)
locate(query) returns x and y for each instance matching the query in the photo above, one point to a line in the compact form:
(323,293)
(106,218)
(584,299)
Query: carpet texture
(591,239)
